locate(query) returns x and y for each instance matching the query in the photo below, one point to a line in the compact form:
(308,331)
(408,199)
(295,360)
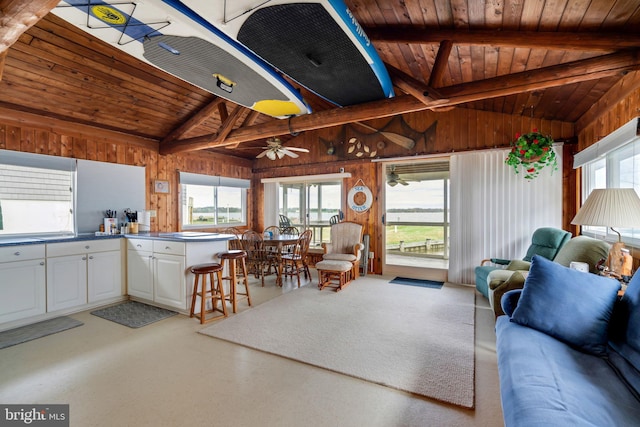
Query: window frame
(216,183)
(605,171)
(46,163)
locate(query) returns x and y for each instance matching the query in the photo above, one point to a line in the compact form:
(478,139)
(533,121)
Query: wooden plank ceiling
(550,60)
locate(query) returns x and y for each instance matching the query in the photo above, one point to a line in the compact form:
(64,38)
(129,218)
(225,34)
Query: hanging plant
(532,151)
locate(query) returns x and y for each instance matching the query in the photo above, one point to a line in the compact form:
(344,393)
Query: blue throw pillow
(570,305)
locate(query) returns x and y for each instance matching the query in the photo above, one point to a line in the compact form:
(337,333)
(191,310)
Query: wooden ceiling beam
(415,87)
(573,72)
(542,78)
(194,121)
(173,147)
(590,42)
(3,57)
(17,16)
(440,64)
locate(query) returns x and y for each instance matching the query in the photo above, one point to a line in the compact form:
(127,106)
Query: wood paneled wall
(116,148)
(457,130)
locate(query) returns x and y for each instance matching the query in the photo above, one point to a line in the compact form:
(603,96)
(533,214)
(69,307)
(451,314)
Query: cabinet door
(22,289)
(66,282)
(140,274)
(104,275)
(169,281)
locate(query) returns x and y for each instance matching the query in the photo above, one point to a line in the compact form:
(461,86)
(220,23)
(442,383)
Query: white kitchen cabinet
(140,269)
(83,272)
(158,269)
(156,272)
(169,280)
(22,282)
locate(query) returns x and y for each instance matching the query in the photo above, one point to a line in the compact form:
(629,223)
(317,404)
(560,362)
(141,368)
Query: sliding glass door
(416,232)
(310,205)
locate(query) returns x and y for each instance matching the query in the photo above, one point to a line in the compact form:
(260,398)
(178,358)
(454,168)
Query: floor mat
(37,330)
(417,282)
(133,314)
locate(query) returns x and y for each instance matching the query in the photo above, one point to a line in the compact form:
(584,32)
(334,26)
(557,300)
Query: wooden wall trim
(15,117)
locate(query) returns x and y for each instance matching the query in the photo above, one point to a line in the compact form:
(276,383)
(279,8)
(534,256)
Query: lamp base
(619,260)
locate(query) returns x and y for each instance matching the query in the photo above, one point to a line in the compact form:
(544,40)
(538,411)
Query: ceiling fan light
(271,155)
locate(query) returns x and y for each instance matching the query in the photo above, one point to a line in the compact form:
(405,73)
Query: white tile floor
(166,374)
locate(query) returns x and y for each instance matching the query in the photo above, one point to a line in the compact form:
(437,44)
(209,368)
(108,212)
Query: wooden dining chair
(258,258)
(295,262)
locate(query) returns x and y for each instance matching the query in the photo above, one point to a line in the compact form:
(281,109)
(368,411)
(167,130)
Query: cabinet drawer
(82,247)
(21,253)
(142,245)
(168,247)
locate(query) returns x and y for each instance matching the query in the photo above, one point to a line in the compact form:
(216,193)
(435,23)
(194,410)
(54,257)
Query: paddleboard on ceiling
(176,39)
(317,43)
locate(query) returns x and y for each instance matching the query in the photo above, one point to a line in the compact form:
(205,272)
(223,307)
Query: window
(613,162)
(36,194)
(212,201)
(310,205)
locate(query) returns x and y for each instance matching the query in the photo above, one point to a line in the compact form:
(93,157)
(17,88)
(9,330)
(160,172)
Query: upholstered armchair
(545,241)
(580,249)
(345,245)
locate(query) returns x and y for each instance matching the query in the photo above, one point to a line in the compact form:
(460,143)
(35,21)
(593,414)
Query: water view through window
(417,214)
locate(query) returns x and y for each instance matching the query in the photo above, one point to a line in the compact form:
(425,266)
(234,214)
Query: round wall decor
(360,197)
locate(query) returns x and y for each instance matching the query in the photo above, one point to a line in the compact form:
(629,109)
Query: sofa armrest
(510,300)
(516,281)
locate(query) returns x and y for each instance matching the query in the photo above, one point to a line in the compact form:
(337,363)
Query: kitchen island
(42,277)
(158,265)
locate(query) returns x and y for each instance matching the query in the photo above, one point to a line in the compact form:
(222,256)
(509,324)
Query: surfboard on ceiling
(175,39)
(318,43)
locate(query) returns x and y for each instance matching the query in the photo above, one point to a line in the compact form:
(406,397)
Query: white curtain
(494,211)
(270,212)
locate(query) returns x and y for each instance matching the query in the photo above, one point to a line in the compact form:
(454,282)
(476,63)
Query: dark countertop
(171,236)
(184,236)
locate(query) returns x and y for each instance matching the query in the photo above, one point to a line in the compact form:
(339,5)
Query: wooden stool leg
(245,277)
(195,294)
(232,285)
(220,295)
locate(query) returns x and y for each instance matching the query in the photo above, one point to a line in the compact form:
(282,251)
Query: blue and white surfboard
(174,38)
(318,43)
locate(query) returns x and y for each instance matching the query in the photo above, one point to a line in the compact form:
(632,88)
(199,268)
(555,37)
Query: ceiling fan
(394,179)
(274,149)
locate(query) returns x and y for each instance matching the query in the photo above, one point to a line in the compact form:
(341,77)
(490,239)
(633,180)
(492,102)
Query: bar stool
(232,257)
(214,293)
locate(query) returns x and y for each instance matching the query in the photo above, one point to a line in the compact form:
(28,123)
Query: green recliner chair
(579,249)
(545,241)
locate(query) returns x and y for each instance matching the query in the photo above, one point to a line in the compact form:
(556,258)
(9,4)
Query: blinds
(29,183)
(215,181)
(623,135)
(494,211)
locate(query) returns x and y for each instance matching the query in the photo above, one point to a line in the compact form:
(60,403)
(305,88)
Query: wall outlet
(153,213)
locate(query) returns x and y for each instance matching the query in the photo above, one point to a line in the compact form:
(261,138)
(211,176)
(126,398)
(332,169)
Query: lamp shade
(610,207)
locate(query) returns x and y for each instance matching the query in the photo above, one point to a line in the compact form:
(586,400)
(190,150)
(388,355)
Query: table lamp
(611,207)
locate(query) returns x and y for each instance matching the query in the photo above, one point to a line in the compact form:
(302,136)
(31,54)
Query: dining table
(279,242)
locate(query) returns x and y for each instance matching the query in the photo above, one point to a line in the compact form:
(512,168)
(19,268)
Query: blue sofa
(569,350)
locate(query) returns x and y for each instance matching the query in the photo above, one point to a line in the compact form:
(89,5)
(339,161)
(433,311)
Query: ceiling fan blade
(302,150)
(262,154)
(271,155)
(289,153)
(403,182)
(280,154)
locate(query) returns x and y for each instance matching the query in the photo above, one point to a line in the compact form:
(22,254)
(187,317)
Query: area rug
(414,339)
(417,282)
(133,314)
(37,330)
